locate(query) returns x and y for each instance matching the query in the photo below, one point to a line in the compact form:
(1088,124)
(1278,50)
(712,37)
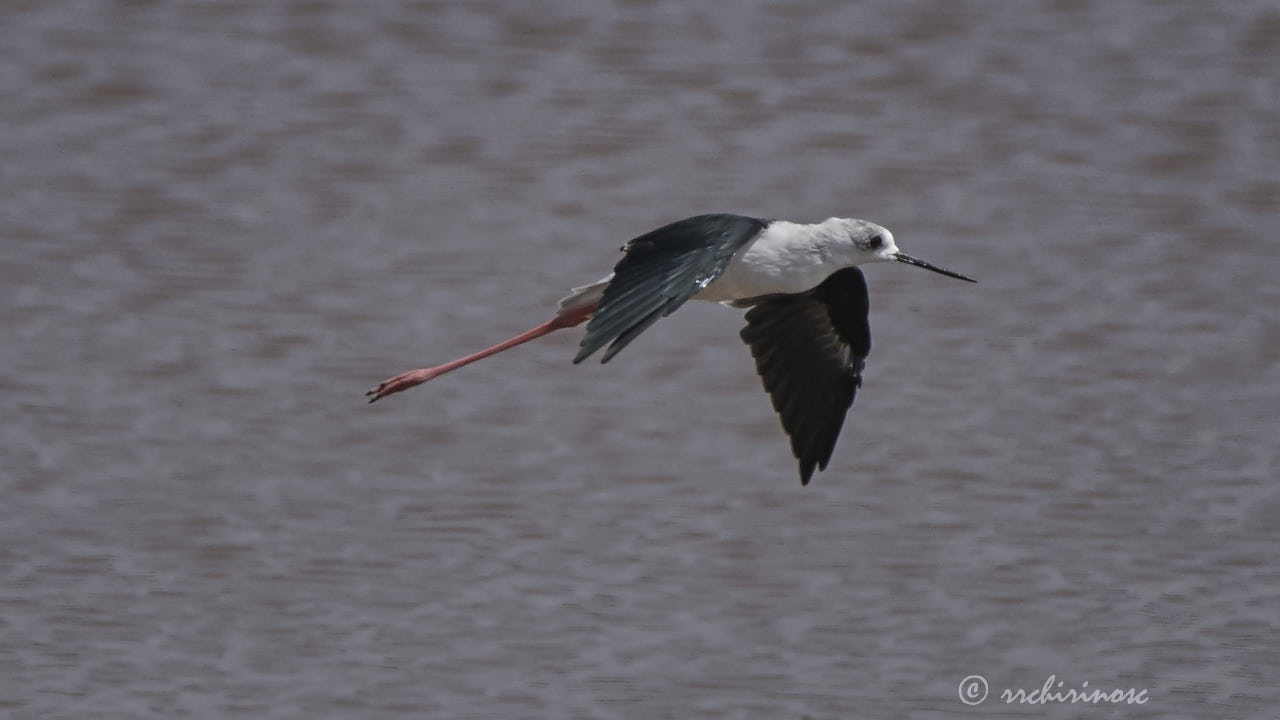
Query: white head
(859,242)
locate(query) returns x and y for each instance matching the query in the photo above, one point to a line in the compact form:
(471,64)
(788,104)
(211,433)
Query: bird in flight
(806,319)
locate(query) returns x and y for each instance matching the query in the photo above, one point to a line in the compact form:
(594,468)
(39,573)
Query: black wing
(660,271)
(810,349)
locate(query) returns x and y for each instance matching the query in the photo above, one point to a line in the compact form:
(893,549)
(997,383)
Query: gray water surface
(222,222)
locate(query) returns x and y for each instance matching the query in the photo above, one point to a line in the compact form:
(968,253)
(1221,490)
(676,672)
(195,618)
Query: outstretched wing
(810,349)
(660,271)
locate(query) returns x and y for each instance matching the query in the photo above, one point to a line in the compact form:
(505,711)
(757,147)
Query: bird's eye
(875,242)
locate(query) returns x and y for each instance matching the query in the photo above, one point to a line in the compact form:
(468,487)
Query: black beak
(903,257)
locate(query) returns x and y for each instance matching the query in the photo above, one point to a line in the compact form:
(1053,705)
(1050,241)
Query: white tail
(584,296)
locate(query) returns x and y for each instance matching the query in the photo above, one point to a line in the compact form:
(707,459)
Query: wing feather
(661,270)
(810,349)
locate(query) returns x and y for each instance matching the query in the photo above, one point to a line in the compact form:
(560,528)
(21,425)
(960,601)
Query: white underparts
(786,258)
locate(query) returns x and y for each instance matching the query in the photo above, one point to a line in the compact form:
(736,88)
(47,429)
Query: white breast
(786,258)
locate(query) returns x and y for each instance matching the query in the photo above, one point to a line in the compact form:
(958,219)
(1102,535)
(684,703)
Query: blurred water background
(222,222)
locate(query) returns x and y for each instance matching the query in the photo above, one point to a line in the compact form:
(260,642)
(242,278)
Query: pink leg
(406,380)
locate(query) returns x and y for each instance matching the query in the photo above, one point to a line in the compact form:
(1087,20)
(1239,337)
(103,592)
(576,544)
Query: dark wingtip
(806,472)
(583,352)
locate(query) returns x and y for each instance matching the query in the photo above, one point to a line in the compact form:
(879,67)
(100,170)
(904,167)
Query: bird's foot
(403,381)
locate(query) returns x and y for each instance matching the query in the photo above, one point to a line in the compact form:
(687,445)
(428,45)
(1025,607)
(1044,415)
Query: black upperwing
(810,349)
(660,271)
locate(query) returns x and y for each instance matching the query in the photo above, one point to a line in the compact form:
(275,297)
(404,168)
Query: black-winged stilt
(806,327)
